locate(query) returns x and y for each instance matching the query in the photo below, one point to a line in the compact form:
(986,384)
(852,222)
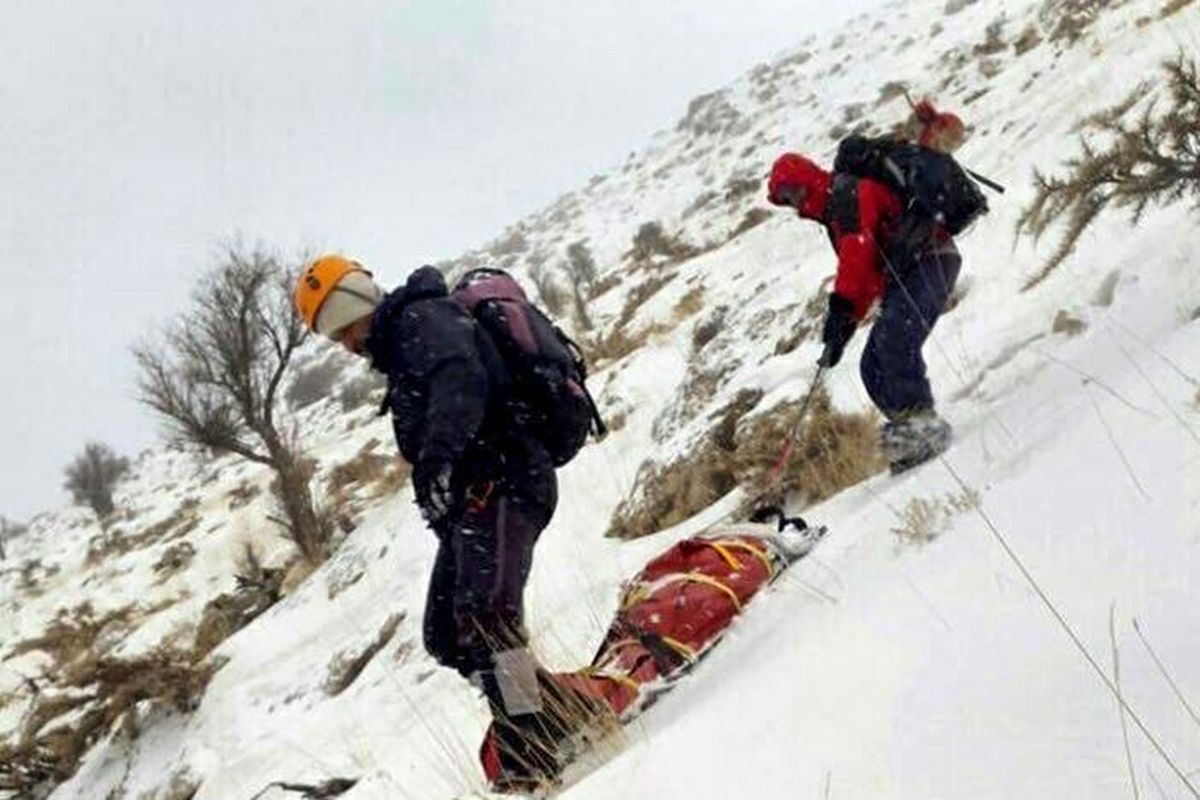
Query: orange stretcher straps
(723,549)
(708,580)
(644,592)
(738,544)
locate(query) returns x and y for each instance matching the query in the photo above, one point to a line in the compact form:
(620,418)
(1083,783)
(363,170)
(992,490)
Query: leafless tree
(92,476)
(216,374)
(8,530)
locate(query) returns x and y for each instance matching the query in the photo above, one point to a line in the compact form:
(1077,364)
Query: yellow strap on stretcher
(708,580)
(737,544)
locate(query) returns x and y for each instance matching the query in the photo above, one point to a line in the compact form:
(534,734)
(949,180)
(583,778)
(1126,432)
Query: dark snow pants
(892,367)
(475,604)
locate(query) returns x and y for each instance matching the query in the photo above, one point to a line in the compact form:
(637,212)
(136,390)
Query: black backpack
(931,184)
(548,395)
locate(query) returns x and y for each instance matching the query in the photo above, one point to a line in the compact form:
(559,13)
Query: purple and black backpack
(549,396)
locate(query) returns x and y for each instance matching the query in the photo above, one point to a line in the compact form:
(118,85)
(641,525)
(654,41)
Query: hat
(353,297)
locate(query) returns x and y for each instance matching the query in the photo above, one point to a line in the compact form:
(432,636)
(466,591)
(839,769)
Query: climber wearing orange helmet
(485,484)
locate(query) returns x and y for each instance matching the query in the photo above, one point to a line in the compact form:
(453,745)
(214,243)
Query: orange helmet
(317,281)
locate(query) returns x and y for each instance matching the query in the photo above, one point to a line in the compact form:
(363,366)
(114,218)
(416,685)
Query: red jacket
(858,213)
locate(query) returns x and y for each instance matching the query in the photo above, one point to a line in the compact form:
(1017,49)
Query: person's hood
(425,283)
(792,170)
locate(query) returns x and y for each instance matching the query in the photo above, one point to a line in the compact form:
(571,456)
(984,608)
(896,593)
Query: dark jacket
(447,385)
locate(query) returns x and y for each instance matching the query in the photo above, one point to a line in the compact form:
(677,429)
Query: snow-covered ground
(909,657)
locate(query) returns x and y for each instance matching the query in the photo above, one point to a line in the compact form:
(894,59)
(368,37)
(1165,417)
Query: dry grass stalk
(923,519)
(833,450)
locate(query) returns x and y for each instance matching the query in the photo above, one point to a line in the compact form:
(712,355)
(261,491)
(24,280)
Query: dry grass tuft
(365,477)
(241,495)
(1066,323)
(116,543)
(174,558)
(1173,7)
(690,304)
(923,520)
(90,696)
(833,450)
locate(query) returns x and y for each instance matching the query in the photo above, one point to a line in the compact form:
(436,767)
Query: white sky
(138,135)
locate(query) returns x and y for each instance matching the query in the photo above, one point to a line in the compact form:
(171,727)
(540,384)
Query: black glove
(839,327)
(433,480)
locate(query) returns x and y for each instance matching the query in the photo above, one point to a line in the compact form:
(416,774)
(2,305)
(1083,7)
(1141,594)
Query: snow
(879,667)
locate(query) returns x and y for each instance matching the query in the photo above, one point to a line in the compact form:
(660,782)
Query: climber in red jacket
(882,253)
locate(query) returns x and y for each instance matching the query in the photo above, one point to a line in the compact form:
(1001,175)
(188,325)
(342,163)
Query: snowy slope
(881,667)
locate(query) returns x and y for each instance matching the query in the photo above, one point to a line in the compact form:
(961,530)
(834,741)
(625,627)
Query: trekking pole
(786,454)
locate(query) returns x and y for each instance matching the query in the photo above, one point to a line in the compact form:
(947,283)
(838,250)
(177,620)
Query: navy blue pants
(915,295)
(475,603)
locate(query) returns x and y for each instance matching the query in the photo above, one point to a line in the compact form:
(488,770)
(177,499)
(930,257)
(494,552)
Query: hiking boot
(535,748)
(912,439)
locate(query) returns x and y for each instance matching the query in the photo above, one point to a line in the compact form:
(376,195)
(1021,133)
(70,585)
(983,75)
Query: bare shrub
(833,450)
(84,693)
(739,187)
(581,264)
(690,304)
(241,495)
(710,114)
(651,241)
(116,542)
(890,91)
(98,695)
(751,219)
(1069,20)
(707,329)
(512,243)
(993,42)
(9,530)
(92,476)
(1029,39)
(1067,324)
(1155,159)
(619,342)
(314,382)
(608,282)
(952,7)
(73,633)
(174,558)
(1173,7)
(183,785)
(257,589)
(215,378)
